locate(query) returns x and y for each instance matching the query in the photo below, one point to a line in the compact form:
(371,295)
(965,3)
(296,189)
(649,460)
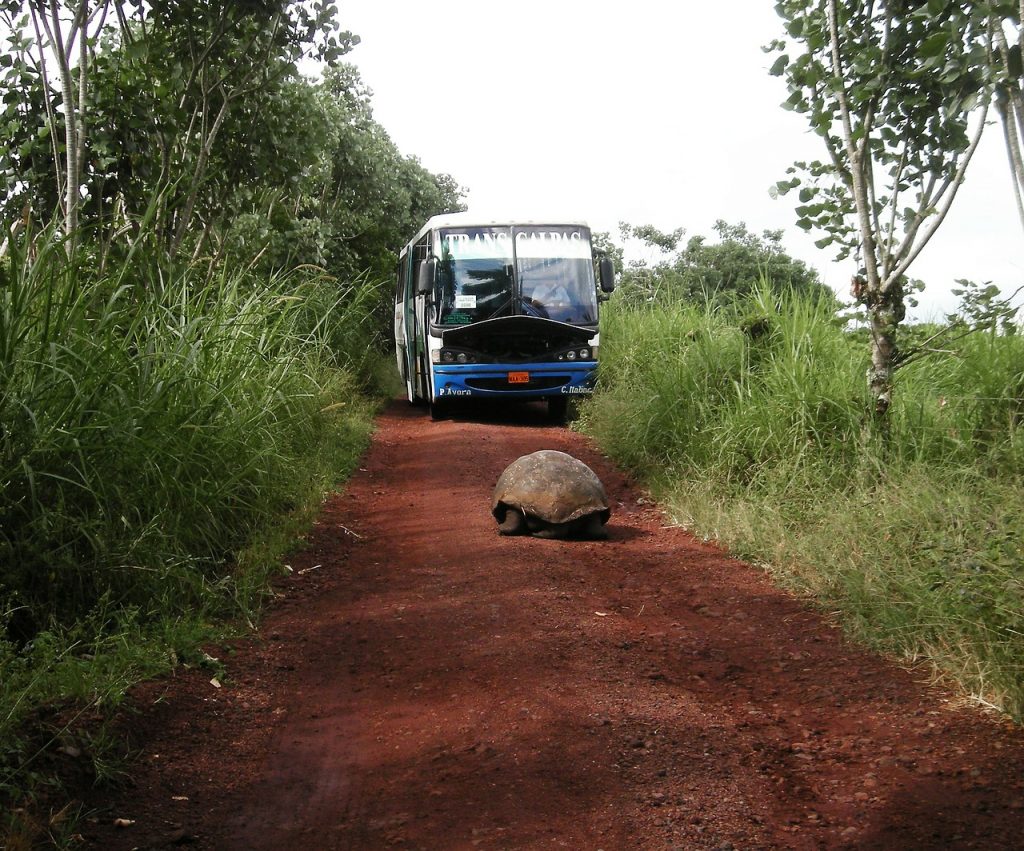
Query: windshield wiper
(498,309)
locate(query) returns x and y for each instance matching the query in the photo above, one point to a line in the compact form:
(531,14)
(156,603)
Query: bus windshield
(543,271)
(556,274)
(475,276)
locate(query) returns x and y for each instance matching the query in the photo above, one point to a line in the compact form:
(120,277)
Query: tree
(734,266)
(206,143)
(158,85)
(356,200)
(68,40)
(1008,73)
(889,87)
(356,195)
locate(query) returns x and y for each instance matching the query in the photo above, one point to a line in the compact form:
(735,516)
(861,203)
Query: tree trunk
(51,118)
(1010,105)
(884,322)
(71,170)
(198,174)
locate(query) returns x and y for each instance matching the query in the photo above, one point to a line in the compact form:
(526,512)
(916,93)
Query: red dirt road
(425,683)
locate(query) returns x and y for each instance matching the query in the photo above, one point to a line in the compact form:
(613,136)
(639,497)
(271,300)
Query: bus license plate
(519,378)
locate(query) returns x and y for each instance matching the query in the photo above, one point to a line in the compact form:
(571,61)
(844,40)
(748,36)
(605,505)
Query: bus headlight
(571,355)
(435,355)
(448,357)
(584,354)
(461,358)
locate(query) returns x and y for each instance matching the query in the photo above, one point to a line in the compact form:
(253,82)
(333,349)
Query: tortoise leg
(553,530)
(595,528)
(513,524)
(583,527)
(547,532)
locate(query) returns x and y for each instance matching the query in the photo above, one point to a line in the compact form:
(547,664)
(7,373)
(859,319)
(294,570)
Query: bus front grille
(540,382)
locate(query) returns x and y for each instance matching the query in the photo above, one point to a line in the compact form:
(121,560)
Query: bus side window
(420,252)
(403,265)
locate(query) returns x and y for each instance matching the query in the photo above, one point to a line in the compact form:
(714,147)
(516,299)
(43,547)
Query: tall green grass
(157,422)
(151,424)
(752,424)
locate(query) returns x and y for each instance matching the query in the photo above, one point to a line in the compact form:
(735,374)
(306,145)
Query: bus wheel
(557,408)
(438,410)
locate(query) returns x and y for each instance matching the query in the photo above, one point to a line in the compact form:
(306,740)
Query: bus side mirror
(607,273)
(426,274)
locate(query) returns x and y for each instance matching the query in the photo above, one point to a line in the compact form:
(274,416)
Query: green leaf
(779,66)
(934,45)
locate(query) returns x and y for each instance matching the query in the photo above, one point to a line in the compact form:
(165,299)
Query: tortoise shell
(552,487)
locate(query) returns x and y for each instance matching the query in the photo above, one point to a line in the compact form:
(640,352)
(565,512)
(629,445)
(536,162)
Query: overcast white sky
(647,112)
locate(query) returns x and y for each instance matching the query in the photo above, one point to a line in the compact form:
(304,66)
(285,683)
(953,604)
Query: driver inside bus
(549,299)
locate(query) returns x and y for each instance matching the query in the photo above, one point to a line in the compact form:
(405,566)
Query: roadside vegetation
(163,441)
(753,422)
(734,383)
(195,247)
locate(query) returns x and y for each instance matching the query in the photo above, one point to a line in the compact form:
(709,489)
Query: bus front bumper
(514,381)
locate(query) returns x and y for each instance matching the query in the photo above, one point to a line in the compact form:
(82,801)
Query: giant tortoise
(551,495)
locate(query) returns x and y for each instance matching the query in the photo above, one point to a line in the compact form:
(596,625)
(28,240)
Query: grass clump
(752,424)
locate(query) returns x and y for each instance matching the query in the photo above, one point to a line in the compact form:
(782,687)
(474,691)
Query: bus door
(401,334)
(415,323)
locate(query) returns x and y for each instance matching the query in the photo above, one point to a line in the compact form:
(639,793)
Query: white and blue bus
(499,310)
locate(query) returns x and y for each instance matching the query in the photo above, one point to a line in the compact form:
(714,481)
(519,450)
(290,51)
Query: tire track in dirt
(425,683)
